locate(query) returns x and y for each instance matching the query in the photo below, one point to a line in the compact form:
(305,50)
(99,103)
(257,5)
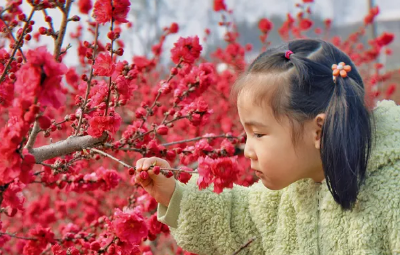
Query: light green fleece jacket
(302,218)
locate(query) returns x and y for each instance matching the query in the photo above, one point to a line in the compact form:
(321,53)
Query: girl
(329,176)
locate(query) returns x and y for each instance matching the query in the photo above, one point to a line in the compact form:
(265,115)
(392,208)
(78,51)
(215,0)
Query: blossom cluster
(71,134)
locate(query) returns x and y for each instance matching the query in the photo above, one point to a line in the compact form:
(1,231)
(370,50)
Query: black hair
(308,90)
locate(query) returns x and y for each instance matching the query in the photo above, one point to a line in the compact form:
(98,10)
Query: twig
(112,51)
(111,157)
(50,23)
(63,28)
(83,107)
(197,139)
(244,246)
(15,236)
(178,170)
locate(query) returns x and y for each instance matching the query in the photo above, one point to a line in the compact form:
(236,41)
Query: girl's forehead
(248,107)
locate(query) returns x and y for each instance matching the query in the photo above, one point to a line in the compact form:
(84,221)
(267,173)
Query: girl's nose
(249,152)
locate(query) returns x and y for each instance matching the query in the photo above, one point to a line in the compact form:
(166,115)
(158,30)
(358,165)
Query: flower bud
(144,175)
(75,18)
(162,130)
(44,122)
(156,170)
(95,246)
(42,30)
(111,35)
(131,171)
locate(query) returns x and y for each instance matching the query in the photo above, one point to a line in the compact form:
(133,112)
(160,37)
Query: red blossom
(85,6)
(186,49)
(6,93)
(109,177)
(390,90)
(222,172)
(174,28)
(41,77)
(104,65)
(99,124)
(265,25)
(103,12)
(129,226)
(385,39)
(43,236)
(13,196)
(305,24)
(219,5)
(185,176)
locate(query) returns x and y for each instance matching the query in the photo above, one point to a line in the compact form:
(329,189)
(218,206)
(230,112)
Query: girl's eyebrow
(254,124)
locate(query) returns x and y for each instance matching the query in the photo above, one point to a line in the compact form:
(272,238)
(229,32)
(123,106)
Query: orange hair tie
(340,69)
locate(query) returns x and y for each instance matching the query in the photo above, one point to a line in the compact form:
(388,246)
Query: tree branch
(32,137)
(89,81)
(67,146)
(63,28)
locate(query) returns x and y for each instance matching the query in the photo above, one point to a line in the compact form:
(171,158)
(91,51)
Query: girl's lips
(258,173)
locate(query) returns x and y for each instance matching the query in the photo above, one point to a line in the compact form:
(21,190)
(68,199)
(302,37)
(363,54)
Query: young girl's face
(274,157)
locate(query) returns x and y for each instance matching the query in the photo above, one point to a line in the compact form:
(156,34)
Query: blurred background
(149,17)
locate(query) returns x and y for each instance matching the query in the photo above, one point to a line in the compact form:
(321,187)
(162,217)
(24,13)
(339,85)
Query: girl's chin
(270,185)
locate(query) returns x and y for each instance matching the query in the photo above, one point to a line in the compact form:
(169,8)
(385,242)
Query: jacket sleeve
(207,223)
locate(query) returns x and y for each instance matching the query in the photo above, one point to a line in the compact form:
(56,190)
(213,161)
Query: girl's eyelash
(258,135)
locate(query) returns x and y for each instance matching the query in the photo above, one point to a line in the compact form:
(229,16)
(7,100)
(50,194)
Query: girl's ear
(318,122)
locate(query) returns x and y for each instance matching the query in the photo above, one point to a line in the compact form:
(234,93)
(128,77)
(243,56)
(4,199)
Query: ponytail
(346,141)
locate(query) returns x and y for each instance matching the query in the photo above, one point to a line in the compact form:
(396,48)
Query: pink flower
(186,49)
(265,25)
(219,5)
(85,6)
(41,77)
(223,172)
(6,93)
(185,176)
(99,124)
(98,93)
(121,9)
(43,237)
(103,11)
(104,65)
(13,196)
(129,226)
(111,178)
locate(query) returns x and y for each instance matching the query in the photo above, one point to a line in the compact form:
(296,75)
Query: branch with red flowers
(18,237)
(198,138)
(83,106)
(163,169)
(112,52)
(12,36)
(17,45)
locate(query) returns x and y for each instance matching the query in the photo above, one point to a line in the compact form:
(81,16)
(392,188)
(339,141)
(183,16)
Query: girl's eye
(258,135)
